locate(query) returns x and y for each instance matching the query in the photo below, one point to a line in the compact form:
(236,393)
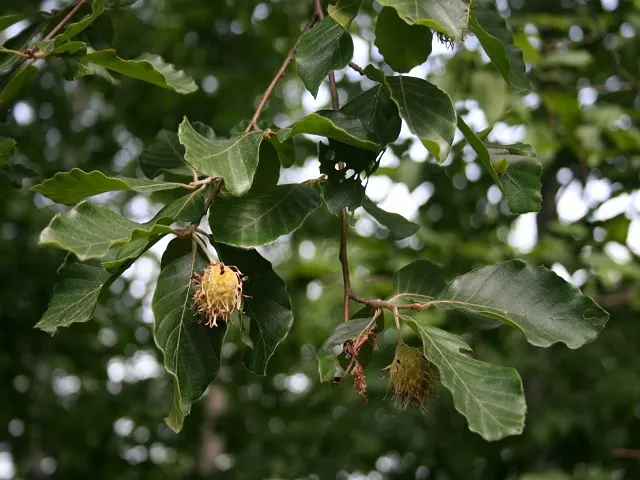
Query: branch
(388,304)
(344,219)
(64,21)
(253,124)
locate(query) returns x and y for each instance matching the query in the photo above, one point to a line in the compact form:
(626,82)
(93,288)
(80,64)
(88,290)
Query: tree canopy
(429,203)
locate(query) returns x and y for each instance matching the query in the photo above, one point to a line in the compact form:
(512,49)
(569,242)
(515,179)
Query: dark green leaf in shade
(148,68)
(399,227)
(73,29)
(164,154)
(90,231)
(334,125)
(419,281)
(377,112)
(402,45)
(496,39)
(235,159)
(259,219)
(342,193)
(489,396)
(268,171)
(450,17)
(75,296)
(269,306)
(344,11)
(191,350)
(7,147)
(324,48)
(71,187)
(534,299)
(519,175)
(428,112)
(15,86)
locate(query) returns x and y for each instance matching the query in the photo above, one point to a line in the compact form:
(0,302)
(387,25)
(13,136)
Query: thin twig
(388,304)
(214,191)
(357,68)
(14,52)
(64,21)
(204,248)
(344,219)
(253,124)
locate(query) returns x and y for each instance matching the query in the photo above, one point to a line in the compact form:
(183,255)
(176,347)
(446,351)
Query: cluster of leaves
(235,182)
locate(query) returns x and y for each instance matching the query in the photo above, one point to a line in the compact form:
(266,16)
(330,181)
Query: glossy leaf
(259,219)
(496,39)
(343,193)
(534,299)
(269,306)
(377,112)
(191,350)
(75,296)
(324,48)
(428,112)
(402,45)
(450,17)
(399,227)
(520,175)
(90,231)
(334,125)
(71,187)
(148,68)
(489,396)
(235,159)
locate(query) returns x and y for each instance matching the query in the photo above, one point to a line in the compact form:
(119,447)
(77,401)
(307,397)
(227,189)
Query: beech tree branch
(253,124)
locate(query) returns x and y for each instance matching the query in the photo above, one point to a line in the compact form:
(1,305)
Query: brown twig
(64,21)
(253,124)
(626,452)
(388,304)
(357,68)
(214,191)
(344,219)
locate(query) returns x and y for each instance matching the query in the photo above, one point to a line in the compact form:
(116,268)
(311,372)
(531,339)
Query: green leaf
(345,331)
(191,350)
(254,220)
(7,147)
(496,39)
(89,231)
(286,150)
(164,154)
(450,17)
(491,93)
(8,20)
(235,160)
(489,396)
(534,299)
(520,175)
(268,171)
(403,46)
(419,281)
(428,112)
(268,307)
(344,11)
(148,68)
(342,193)
(51,47)
(377,112)
(399,227)
(71,187)
(188,208)
(334,125)
(75,296)
(324,48)
(73,29)
(16,85)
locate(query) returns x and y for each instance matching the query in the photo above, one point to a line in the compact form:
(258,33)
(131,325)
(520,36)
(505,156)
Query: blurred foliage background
(89,403)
